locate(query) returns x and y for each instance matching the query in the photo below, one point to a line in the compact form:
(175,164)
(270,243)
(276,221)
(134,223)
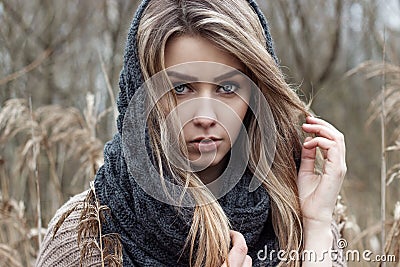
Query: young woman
(211,165)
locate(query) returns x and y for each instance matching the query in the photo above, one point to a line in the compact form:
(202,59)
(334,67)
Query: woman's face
(212,102)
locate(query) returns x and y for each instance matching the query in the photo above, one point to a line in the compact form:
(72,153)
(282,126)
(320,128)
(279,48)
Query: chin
(205,163)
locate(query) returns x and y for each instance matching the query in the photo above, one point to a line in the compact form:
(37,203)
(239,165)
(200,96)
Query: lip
(198,139)
(210,145)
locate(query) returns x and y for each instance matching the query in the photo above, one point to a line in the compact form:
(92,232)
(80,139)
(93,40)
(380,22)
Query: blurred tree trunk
(310,30)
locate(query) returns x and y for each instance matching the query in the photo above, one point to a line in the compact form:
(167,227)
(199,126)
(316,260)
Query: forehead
(197,57)
(203,71)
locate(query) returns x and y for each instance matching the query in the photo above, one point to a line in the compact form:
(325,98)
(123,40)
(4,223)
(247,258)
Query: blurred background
(59,70)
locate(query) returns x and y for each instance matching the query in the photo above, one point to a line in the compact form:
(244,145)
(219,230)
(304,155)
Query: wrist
(321,236)
(317,232)
(316,224)
(318,240)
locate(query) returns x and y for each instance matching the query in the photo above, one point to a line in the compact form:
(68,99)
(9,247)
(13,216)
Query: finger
(335,160)
(237,254)
(330,133)
(248,262)
(314,120)
(320,130)
(334,150)
(321,142)
(307,158)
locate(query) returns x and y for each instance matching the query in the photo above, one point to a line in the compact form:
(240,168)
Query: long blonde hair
(234,27)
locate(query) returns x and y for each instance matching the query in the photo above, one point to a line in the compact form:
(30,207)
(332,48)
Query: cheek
(234,122)
(242,110)
(187,131)
(242,101)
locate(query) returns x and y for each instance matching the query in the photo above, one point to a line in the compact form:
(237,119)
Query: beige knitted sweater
(63,250)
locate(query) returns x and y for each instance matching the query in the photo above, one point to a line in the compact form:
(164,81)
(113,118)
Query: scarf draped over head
(153,233)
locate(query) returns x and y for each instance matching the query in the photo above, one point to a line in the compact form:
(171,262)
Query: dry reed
(46,144)
(386,107)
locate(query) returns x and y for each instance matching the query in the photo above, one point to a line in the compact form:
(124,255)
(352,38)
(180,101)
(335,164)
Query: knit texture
(62,249)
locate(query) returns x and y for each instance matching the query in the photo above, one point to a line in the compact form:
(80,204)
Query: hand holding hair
(238,254)
(318,193)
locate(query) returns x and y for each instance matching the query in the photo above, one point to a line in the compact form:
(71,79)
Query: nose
(205,115)
(204,122)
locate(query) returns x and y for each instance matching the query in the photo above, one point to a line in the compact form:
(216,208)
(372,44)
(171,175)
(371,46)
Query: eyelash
(220,87)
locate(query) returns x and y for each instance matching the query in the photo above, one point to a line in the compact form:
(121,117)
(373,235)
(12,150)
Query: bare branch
(39,60)
(334,51)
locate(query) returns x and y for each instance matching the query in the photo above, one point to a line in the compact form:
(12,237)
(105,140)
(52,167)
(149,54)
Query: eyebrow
(192,78)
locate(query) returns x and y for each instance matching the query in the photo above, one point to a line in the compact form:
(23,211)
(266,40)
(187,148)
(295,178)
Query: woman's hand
(318,193)
(238,257)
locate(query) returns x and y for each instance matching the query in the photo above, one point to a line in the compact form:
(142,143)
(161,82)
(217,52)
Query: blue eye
(180,89)
(229,88)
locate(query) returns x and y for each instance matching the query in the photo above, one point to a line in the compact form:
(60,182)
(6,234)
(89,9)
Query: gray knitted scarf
(153,233)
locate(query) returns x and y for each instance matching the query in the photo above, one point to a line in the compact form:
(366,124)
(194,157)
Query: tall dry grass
(385,107)
(49,141)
